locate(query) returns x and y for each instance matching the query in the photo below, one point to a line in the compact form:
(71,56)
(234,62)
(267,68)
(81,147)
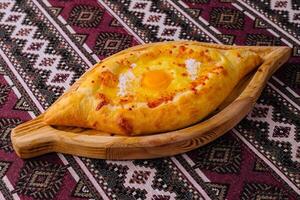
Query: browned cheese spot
(125,125)
(205,56)
(126,99)
(103,101)
(181,65)
(199,81)
(219,70)
(95,124)
(156,102)
(108,79)
(182,49)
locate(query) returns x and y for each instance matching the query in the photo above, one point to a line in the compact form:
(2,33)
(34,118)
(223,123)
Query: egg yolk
(157,79)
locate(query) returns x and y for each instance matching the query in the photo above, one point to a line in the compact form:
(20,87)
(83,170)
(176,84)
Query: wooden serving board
(35,138)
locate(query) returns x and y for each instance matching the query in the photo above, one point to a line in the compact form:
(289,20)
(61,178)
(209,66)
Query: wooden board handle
(31,137)
(35,137)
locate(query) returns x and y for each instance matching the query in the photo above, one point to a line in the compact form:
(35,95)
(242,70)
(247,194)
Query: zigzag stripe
(5,122)
(168,32)
(276,127)
(45,61)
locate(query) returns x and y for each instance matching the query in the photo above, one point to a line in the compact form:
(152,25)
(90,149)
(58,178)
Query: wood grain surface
(34,138)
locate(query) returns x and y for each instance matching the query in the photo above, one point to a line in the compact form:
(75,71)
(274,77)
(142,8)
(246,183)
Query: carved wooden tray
(35,138)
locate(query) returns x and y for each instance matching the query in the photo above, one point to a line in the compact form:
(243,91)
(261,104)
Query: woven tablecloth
(46,45)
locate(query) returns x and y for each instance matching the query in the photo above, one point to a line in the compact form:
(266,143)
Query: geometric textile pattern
(287,6)
(221,156)
(292,77)
(296,51)
(260,24)
(3,168)
(4,91)
(2,70)
(262,40)
(195,12)
(80,38)
(283,13)
(197,1)
(115,23)
(22,105)
(229,184)
(283,133)
(40,179)
(227,18)
(262,191)
(6,124)
(82,191)
(219,189)
(227,39)
(35,46)
(141,178)
(65,34)
(260,166)
(55,11)
(110,43)
(273,126)
(85,16)
(155,19)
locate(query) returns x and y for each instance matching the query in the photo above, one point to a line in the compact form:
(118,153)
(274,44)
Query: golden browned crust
(98,103)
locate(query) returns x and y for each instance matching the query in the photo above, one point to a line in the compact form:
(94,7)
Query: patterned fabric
(46,45)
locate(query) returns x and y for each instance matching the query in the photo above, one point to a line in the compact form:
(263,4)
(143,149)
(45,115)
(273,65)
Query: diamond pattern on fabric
(40,179)
(278,131)
(141,179)
(227,18)
(85,16)
(49,58)
(152,18)
(110,43)
(221,156)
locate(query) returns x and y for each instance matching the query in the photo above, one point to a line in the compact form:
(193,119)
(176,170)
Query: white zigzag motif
(45,61)
(140,177)
(155,19)
(286,5)
(278,131)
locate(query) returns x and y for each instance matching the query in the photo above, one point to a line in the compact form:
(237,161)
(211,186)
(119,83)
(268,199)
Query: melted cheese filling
(155,75)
